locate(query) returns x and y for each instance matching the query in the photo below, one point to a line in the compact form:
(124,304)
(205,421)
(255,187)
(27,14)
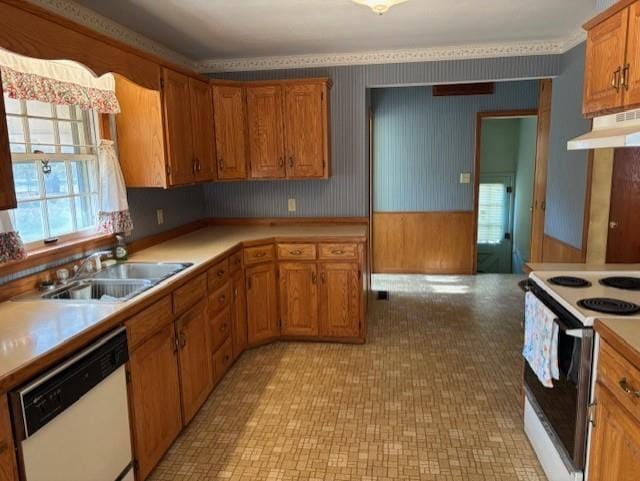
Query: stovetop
(585,292)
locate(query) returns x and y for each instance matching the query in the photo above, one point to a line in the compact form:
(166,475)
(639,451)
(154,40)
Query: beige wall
(600,201)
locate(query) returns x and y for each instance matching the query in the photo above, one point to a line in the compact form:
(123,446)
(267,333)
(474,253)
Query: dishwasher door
(90,441)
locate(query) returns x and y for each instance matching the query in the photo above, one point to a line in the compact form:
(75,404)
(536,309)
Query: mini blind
(491,213)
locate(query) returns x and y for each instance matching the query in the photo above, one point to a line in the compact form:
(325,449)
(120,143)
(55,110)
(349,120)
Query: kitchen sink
(153,271)
(104,290)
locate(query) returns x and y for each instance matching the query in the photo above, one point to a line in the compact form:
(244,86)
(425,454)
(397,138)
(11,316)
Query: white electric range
(557,419)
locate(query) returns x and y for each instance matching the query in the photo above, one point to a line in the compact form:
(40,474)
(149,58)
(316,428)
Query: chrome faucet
(89,261)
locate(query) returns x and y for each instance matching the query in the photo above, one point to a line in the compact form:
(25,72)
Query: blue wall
(567,170)
(346,193)
(423,143)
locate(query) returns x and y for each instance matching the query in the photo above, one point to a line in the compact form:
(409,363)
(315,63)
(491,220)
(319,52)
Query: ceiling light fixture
(379,6)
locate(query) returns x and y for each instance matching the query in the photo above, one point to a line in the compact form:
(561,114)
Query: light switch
(292,205)
(160,216)
(465,178)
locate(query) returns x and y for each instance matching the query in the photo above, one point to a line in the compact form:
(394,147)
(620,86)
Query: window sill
(38,254)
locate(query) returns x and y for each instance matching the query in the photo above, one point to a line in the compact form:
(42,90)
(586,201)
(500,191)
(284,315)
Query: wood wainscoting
(554,250)
(423,242)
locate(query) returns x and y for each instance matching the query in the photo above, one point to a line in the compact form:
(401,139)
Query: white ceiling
(221,29)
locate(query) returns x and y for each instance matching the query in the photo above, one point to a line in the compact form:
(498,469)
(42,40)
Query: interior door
(178,127)
(623,242)
(299,298)
(304,130)
(632,69)
(266,131)
(495,223)
(606,44)
(262,304)
(203,132)
(229,114)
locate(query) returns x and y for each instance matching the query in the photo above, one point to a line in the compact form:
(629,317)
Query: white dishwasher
(72,423)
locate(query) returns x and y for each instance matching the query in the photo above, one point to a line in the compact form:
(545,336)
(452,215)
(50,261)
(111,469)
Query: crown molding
(90,19)
(432,54)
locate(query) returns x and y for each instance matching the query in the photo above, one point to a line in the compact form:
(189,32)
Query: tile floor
(433,395)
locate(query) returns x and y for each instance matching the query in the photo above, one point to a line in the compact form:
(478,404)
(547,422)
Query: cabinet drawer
(235,262)
(621,378)
(218,274)
(147,322)
(297,251)
(190,293)
(222,360)
(338,251)
(220,328)
(220,298)
(255,255)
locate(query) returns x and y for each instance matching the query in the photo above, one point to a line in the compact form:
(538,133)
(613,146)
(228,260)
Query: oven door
(565,404)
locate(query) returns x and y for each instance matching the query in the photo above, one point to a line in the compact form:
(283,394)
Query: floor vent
(383,295)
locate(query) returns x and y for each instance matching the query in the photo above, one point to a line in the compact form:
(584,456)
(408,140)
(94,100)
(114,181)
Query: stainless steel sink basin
(104,290)
(141,270)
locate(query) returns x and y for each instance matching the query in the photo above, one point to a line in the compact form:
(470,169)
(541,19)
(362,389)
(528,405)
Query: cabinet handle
(221,163)
(176,344)
(194,163)
(183,339)
(235,293)
(615,80)
(296,252)
(625,76)
(220,273)
(323,277)
(313,277)
(222,298)
(626,387)
(290,160)
(223,327)
(259,254)
(248,282)
(281,162)
(337,252)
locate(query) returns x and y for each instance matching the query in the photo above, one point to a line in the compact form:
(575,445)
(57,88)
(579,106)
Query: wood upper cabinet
(266,131)
(154,398)
(340,299)
(202,130)
(262,303)
(195,359)
(239,320)
(7,188)
(306,130)
(231,147)
(615,442)
(299,298)
(612,65)
(178,127)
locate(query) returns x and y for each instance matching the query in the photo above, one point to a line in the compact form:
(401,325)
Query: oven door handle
(571,332)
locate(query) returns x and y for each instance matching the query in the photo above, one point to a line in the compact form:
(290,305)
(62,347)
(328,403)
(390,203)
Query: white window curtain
(113,215)
(11,247)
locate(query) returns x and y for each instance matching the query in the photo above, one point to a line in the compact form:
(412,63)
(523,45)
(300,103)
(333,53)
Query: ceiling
(222,29)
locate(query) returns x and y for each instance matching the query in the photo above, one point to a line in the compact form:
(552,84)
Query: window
(55,168)
(492,211)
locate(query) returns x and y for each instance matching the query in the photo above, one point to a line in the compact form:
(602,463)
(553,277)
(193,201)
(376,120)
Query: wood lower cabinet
(298,298)
(262,304)
(230,128)
(266,132)
(239,315)
(194,358)
(340,299)
(8,465)
(154,398)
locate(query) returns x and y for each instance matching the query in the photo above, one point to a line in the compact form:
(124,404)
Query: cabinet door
(7,188)
(339,300)
(266,136)
(203,132)
(615,442)
(604,62)
(155,398)
(298,299)
(178,127)
(306,130)
(239,322)
(195,359)
(228,109)
(8,465)
(632,69)
(262,304)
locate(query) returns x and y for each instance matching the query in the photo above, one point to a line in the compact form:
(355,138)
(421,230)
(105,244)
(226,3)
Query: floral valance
(59,82)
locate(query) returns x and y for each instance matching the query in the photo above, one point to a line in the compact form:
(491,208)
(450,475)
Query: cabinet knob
(337,252)
(296,252)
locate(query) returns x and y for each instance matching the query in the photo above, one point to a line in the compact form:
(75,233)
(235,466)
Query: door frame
(480,116)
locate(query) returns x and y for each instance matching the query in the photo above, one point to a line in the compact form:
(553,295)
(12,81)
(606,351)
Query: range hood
(610,131)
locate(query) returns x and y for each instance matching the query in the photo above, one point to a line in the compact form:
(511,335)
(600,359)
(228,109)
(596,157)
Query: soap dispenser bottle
(120,252)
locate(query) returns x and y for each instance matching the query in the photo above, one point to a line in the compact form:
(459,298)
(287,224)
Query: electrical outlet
(465,178)
(292,205)
(160,216)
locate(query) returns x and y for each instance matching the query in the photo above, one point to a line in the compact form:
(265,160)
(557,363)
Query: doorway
(505,170)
